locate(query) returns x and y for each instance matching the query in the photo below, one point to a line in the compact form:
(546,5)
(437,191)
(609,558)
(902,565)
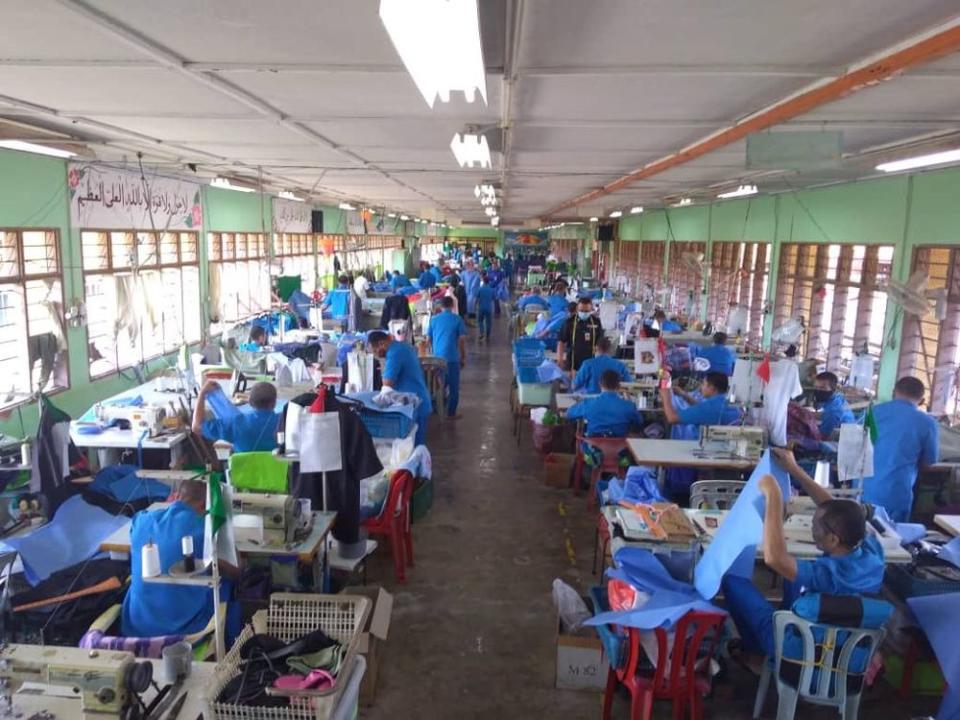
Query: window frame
(265,254)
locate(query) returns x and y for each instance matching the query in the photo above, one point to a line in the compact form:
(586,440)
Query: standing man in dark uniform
(579,337)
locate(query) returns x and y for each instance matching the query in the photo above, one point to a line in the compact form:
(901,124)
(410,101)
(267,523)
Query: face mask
(583,315)
(822,396)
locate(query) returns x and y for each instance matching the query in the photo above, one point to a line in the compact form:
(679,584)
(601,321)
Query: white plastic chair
(830,688)
(715,494)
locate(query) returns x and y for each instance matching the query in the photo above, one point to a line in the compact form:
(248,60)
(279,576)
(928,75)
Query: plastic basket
(534,393)
(386,424)
(528,375)
(289,617)
(528,352)
(907,584)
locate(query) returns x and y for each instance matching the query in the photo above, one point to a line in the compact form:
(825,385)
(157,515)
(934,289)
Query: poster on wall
(108,198)
(528,240)
(291,216)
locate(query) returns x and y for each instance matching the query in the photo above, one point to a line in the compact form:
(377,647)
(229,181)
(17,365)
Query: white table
(681,453)
(948,523)
(565,401)
(111,442)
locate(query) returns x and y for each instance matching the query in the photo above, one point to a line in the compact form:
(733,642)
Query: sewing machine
(149,417)
(744,442)
(106,681)
(280,514)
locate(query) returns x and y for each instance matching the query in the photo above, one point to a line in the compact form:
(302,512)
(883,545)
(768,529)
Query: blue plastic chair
(822,682)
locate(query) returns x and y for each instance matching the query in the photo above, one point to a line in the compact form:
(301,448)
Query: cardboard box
(373,635)
(557,469)
(581,662)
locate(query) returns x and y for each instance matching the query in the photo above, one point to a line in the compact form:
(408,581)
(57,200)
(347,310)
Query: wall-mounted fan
(914,297)
(788,333)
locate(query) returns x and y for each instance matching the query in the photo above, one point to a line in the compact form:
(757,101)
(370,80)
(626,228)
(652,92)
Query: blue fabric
(408,290)
(402,369)
(670,599)
(300,303)
(122,484)
(453,387)
(875,612)
(554,324)
(471,284)
(937,615)
(714,410)
(367,399)
(427,280)
(752,613)
(446,329)
(485,322)
(151,609)
(247,432)
(485,296)
(834,413)
(548,371)
(399,281)
(558,303)
(528,300)
(494,277)
(671,326)
(435,271)
(220,405)
(906,439)
(721,357)
(639,486)
(588,376)
(71,537)
(338,301)
(856,573)
(606,414)
(733,548)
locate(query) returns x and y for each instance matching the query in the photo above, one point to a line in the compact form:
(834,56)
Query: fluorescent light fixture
(636,210)
(682,202)
(490,211)
(346,206)
(616,213)
(495,220)
(35,149)
(594,219)
(404,217)
(938,158)
(471,149)
(572,223)
(391,215)
(286,195)
(439,43)
(742,191)
(225,184)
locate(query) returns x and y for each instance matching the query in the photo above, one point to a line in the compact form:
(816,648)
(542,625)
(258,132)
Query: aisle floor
(474,627)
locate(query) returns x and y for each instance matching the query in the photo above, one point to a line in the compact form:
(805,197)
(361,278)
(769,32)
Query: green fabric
(258,471)
(328,659)
(286,284)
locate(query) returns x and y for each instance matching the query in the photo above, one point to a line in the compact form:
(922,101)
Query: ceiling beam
(916,51)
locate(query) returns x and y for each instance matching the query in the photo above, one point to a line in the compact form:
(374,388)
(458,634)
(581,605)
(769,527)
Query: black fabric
(842,610)
(580,338)
(114,506)
(461,294)
(48,477)
(343,488)
(395,307)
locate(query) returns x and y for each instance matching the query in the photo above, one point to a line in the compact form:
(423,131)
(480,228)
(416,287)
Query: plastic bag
(537,415)
(543,437)
(570,606)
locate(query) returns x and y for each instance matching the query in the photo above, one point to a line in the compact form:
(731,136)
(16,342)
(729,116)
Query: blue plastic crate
(528,374)
(528,352)
(386,424)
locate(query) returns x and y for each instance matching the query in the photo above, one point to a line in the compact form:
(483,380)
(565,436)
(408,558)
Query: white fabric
(783,386)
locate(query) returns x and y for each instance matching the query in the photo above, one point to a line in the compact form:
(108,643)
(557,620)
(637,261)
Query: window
(295,255)
(686,279)
(930,348)
(739,272)
(31,316)
(239,276)
(142,293)
(651,266)
(835,291)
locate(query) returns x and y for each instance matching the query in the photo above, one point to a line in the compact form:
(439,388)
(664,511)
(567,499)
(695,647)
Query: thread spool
(822,475)
(25,454)
(186,544)
(150,561)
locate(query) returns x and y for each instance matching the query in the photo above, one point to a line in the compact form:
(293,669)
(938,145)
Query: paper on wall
(854,453)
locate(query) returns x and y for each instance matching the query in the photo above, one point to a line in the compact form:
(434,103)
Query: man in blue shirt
(720,356)
(533,300)
(852,562)
(398,281)
(247,432)
(402,372)
(447,334)
(712,409)
(485,296)
(471,284)
(907,440)
(337,301)
(607,415)
(495,278)
(589,374)
(427,279)
(558,298)
(154,609)
(834,410)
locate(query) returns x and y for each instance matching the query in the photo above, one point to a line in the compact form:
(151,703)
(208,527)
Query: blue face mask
(584,315)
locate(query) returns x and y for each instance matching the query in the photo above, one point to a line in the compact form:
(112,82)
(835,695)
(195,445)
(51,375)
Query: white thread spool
(150,561)
(822,475)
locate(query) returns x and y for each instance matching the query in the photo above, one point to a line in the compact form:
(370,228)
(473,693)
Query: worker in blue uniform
(607,415)
(908,440)
(398,281)
(254,431)
(337,301)
(712,408)
(427,279)
(720,356)
(485,302)
(833,406)
(447,334)
(589,374)
(532,300)
(402,373)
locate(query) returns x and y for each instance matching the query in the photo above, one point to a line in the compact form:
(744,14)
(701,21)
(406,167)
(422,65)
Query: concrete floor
(473,628)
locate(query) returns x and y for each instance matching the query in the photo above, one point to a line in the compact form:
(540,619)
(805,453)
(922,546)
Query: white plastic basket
(289,617)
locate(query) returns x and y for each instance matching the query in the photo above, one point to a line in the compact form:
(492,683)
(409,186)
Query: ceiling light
(742,191)
(490,211)
(286,195)
(225,184)
(495,220)
(35,149)
(391,215)
(682,202)
(404,217)
(346,206)
(439,43)
(573,223)
(616,214)
(470,149)
(636,210)
(594,219)
(938,158)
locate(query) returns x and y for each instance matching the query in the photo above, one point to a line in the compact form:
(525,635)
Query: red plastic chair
(682,675)
(611,448)
(394,522)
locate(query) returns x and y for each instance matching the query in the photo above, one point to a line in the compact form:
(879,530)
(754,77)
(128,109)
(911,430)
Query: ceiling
(313,95)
